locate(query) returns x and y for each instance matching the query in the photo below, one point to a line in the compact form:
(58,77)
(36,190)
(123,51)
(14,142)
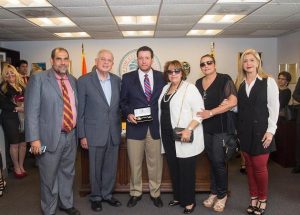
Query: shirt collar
(107,78)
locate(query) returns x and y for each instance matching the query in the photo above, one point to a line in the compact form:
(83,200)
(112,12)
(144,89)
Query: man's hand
(35,147)
(131,118)
(84,143)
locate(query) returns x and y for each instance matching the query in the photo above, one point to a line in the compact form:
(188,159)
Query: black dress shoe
(96,206)
(296,169)
(113,202)
(157,201)
(188,211)
(174,203)
(133,201)
(70,211)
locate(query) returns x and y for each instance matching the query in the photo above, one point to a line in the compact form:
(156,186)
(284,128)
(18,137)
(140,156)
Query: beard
(61,69)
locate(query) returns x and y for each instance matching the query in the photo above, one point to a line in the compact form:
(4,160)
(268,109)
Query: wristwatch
(190,129)
(210,113)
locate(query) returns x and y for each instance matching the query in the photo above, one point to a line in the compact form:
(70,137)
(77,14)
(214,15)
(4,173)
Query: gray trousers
(57,170)
(103,161)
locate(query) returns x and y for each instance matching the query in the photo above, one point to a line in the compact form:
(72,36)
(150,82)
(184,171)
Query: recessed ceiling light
(203,32)
(242,1)
(72,34)
(52,22)
(229,18)
(24,3)
(136,20)
(138,33)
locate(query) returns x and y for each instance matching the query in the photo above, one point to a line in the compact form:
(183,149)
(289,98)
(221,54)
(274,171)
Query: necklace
(171,95)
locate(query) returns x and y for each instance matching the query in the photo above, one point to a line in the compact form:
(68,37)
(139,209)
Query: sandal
(2,186)
(252,206)
(220,204)
(259,210)
(210,201)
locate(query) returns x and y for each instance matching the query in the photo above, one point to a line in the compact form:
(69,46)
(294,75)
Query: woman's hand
(204,114)
(267,139)
(185,135)
(19,109)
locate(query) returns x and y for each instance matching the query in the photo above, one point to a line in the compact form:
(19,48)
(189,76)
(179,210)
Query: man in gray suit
(49,95)
(99,127)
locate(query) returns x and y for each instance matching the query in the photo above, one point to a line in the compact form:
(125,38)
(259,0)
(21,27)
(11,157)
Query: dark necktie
(67,114)
(147,88)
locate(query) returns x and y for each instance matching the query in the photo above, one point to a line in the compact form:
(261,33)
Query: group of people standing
(59,109)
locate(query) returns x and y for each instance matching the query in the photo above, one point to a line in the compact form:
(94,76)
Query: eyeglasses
(204,95)
(203,64)
(175,71)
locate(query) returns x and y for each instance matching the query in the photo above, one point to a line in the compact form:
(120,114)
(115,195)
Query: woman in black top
(219,95)
(11,102)
(258,109)
(285,93)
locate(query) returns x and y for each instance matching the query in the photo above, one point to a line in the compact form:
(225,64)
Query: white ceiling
(175,18)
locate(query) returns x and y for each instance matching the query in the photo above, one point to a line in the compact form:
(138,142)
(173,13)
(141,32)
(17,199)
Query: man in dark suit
(99,127)
(141,89)
(50,120)
(22,68)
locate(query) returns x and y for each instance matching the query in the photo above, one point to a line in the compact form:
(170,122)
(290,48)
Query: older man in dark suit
(99,127)
(50,121)
(140,91)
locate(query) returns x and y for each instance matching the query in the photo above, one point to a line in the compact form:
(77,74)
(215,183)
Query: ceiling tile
(5,14)
(268,32)
(106,35)
(170,33)
(262,19)
(240,9)
(137,27)
(77,3)
(178,19)
(280,9)
(94,21)
(184,9)
(135,10)
(133,2)
(174,27)
(85,11)
(100,28)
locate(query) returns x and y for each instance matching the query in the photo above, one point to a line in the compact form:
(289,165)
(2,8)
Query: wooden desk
(285,139)
(123,173)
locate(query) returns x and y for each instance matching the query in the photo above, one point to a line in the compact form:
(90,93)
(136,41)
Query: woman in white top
(258,110)
(178,105)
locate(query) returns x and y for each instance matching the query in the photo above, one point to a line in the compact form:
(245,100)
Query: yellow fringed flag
(212,49)
(83,63)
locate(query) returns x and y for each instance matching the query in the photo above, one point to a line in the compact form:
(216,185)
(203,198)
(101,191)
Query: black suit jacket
(132,96)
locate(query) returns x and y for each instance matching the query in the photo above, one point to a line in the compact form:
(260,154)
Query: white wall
(187,49)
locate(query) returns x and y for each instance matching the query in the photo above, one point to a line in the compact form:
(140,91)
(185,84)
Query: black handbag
(177,137)
(229,142)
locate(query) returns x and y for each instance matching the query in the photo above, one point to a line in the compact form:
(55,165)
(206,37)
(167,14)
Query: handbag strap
(182,104)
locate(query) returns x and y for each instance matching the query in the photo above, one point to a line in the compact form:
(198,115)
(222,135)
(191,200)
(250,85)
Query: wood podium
(123,173)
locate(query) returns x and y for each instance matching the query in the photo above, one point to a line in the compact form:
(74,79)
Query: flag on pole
(83,63)
(212,49)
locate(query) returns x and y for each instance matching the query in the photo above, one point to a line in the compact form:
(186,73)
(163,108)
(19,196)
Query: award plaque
(143,114)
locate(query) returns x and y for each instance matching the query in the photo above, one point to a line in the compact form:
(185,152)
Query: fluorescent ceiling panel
(203,32)
(72,34)
(52,22)
(138,33)
(24,3)
(136,20)
(229,18)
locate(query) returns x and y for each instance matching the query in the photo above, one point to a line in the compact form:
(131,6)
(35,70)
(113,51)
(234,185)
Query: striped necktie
(147,88)
(67,114)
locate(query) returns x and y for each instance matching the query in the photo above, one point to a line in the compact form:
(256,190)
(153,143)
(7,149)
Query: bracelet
(210,113)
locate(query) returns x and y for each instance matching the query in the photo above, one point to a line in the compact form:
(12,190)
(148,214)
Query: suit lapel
(53,81)
(95,81)
(114,88)
(139,85)
(73,85)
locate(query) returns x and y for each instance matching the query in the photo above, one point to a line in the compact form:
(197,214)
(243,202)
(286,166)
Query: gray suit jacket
(98,121)
(44,108)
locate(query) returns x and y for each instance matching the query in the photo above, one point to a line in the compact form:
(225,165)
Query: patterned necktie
(67,114)
(147,88)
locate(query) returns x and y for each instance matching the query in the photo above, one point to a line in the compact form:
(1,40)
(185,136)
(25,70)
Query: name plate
(143,114)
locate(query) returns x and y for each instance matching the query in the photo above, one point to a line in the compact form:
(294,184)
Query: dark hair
(177,65)
(144,48)
(286,75)
(210,56)
(58,49)
(20,62)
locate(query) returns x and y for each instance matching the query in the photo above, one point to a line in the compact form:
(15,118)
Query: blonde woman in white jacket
(178,105)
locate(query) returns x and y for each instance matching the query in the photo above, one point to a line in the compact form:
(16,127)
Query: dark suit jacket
(132,96)
(98,121)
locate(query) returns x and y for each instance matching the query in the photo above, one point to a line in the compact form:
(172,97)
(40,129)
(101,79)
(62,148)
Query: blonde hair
(242,73)
(19,85)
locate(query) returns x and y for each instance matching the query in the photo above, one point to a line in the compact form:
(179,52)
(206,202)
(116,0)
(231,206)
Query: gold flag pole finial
(212,49)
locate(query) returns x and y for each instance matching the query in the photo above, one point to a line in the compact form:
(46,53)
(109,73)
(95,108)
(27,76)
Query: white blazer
(192,103)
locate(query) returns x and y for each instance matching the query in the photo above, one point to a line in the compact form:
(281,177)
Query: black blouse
(222,87)
(284,97)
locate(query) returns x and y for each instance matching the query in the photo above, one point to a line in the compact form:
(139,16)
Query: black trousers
(182,172)
(219,178)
